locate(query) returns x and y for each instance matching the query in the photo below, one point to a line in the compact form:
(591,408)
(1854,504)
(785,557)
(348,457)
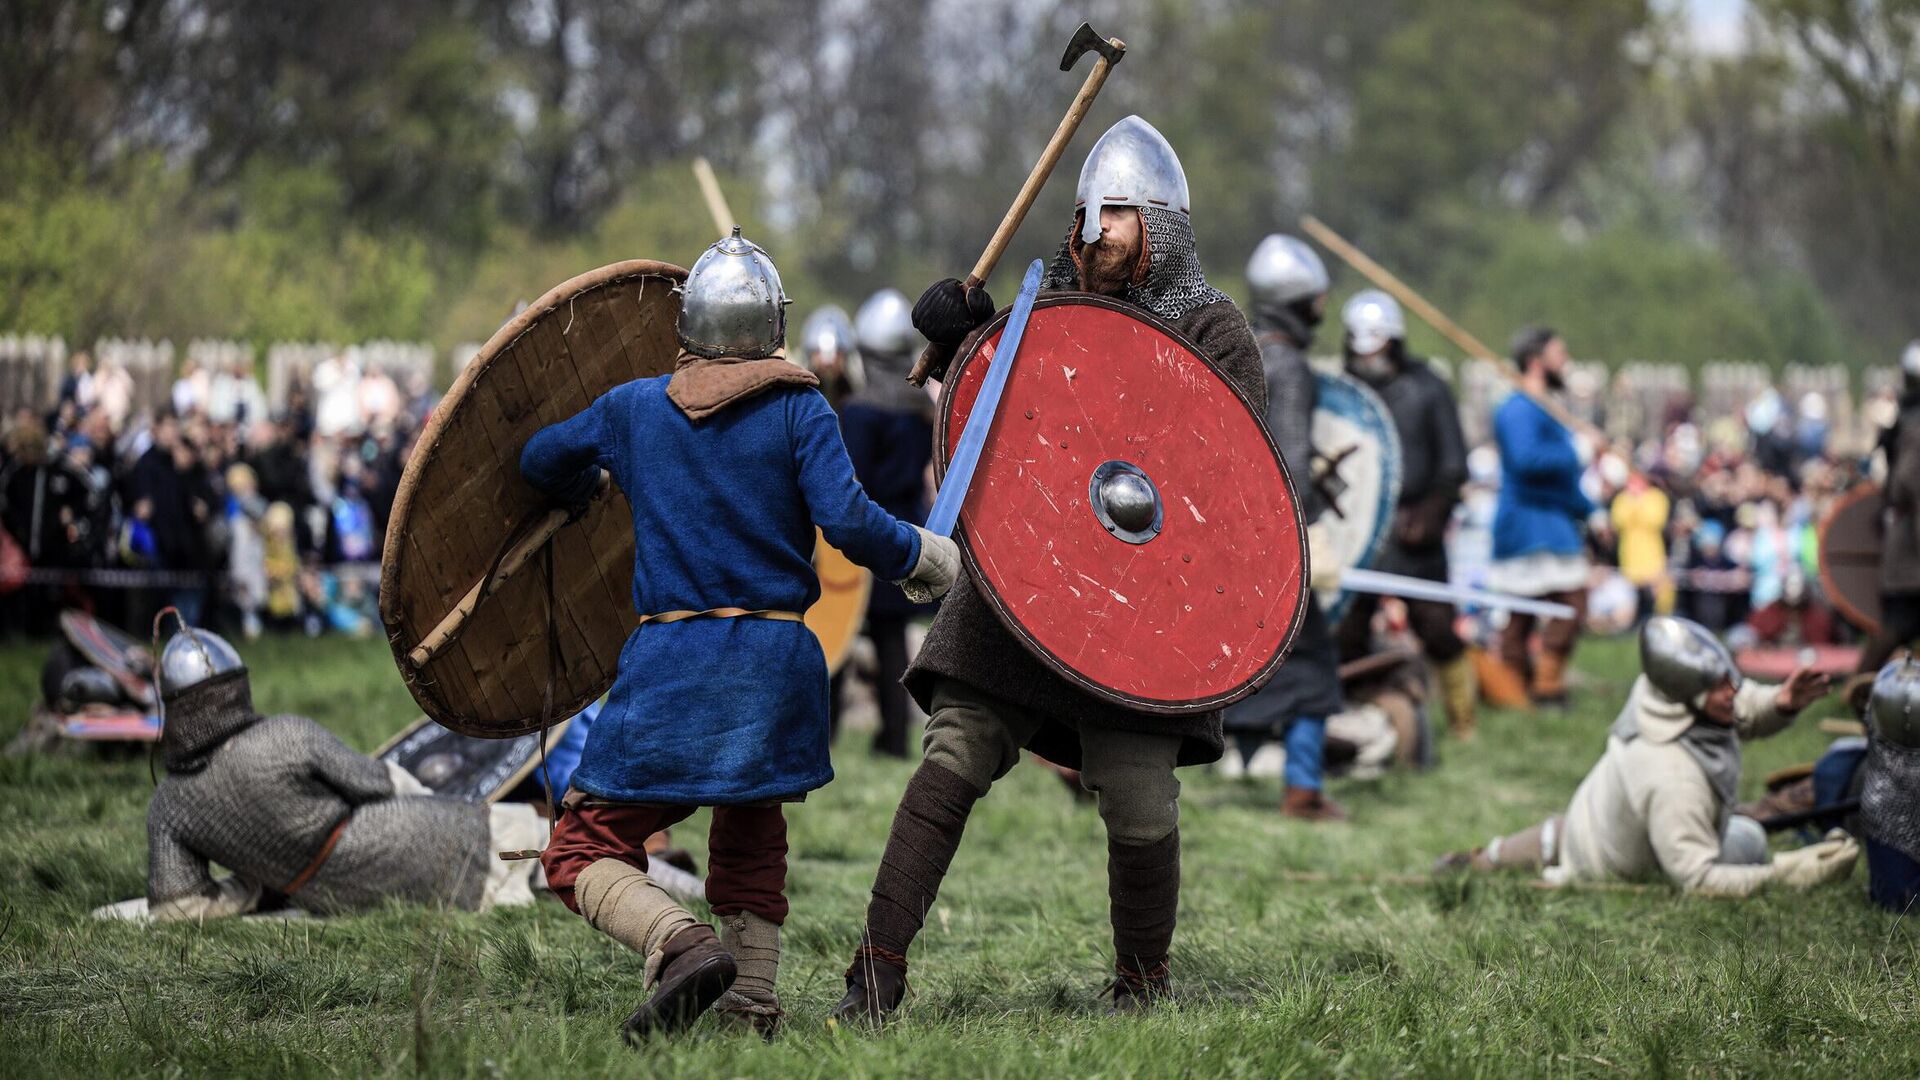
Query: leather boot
(1550,679)
(1308,804)
(1459,693)
(1143,895)
(1501,686)
(926,832)
(875,987)
(751,1002)
(1137,991)
(694,972)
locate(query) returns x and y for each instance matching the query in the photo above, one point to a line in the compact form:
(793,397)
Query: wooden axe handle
(1448,329)
(1029,191)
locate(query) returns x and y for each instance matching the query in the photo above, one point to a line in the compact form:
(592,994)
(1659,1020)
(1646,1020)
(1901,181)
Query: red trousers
(746,850)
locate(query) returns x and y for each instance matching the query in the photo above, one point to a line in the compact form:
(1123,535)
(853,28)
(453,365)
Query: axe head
(1086,41)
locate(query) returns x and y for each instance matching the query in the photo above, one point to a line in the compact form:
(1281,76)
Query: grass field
(1276,977)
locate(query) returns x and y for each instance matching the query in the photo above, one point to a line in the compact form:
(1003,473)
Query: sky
(1716,26)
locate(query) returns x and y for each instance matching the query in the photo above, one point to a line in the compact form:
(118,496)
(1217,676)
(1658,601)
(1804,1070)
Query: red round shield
(1130,519)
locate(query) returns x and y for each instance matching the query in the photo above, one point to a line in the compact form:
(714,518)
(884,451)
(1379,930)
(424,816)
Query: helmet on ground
(884,324)
(731,303)
(1285,270)
(1131,165)
(1684,660)
(1894,708)
(1372,319)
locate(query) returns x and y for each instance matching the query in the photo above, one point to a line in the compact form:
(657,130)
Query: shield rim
(426,447)
(1389,488)
(1859,493)
(1154,706)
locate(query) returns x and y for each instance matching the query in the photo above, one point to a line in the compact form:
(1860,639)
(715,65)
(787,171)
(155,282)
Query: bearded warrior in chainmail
(986,695)
(286,806)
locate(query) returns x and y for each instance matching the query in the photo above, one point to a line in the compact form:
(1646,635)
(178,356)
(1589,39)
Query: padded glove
(1831,859)
(933,575)
(1323,564)
(948,311)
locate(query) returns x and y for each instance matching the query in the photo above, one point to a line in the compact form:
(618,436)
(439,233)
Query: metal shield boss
(1130,522)
(461,499)
(1356,470)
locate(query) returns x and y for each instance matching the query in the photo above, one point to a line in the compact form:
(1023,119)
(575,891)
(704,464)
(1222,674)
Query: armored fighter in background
(1890,793)
(1288,283)
(286,806)
(987,696)
(888,426)
(1434,455)
(1660,800)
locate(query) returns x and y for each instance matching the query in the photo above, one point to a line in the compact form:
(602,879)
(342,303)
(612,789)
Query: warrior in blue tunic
(721,698)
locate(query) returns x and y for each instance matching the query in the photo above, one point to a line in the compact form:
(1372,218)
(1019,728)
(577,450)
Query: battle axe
(1084,41)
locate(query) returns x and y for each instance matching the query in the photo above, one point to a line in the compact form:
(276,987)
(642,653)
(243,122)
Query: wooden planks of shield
(1171,582)
(1850,539)
(461,500)
(463,767)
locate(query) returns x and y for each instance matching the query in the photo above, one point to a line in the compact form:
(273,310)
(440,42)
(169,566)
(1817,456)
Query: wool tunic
(716,711)
(1541,504)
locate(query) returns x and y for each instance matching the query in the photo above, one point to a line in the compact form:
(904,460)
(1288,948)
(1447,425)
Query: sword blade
(966,457)
(1411,588)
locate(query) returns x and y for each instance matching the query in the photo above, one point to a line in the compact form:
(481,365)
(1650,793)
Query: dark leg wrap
(926,832)
(1143,889)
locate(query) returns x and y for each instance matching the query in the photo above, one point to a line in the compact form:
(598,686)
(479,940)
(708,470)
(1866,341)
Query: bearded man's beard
(1106,269)
(1556,381)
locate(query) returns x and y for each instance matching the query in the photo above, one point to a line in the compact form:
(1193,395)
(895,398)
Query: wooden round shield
(1850,538)
(836,617)
(1130,520)
(461,501)
(1356,452)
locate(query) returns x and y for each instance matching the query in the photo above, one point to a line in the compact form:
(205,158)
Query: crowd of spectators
(239,515)
(252,517)
(1715,519)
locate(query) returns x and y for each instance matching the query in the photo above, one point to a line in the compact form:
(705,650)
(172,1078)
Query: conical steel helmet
(732,304)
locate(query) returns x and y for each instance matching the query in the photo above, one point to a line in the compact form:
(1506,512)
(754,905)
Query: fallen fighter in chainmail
(291,810)
(1661,798)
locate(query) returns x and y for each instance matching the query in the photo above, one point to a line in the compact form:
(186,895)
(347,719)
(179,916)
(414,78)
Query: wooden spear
(1448,329)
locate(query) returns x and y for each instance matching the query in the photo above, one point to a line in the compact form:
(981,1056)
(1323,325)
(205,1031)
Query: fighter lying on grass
(288,807)
(1661,797)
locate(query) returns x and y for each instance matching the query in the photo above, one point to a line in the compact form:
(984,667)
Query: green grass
(1276,977)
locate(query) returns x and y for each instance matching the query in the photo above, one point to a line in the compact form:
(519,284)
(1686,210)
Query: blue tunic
(1541,505)
(716,711)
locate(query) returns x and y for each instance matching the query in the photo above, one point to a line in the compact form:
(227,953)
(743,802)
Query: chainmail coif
(1175,283)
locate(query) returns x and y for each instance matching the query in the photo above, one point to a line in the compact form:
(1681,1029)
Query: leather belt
(722,613)
(300,880)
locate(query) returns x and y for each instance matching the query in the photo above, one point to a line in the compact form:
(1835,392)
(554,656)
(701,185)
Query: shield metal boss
(836,617)
(461,498)
(1130,520)
(1850,539)
(1356,470)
